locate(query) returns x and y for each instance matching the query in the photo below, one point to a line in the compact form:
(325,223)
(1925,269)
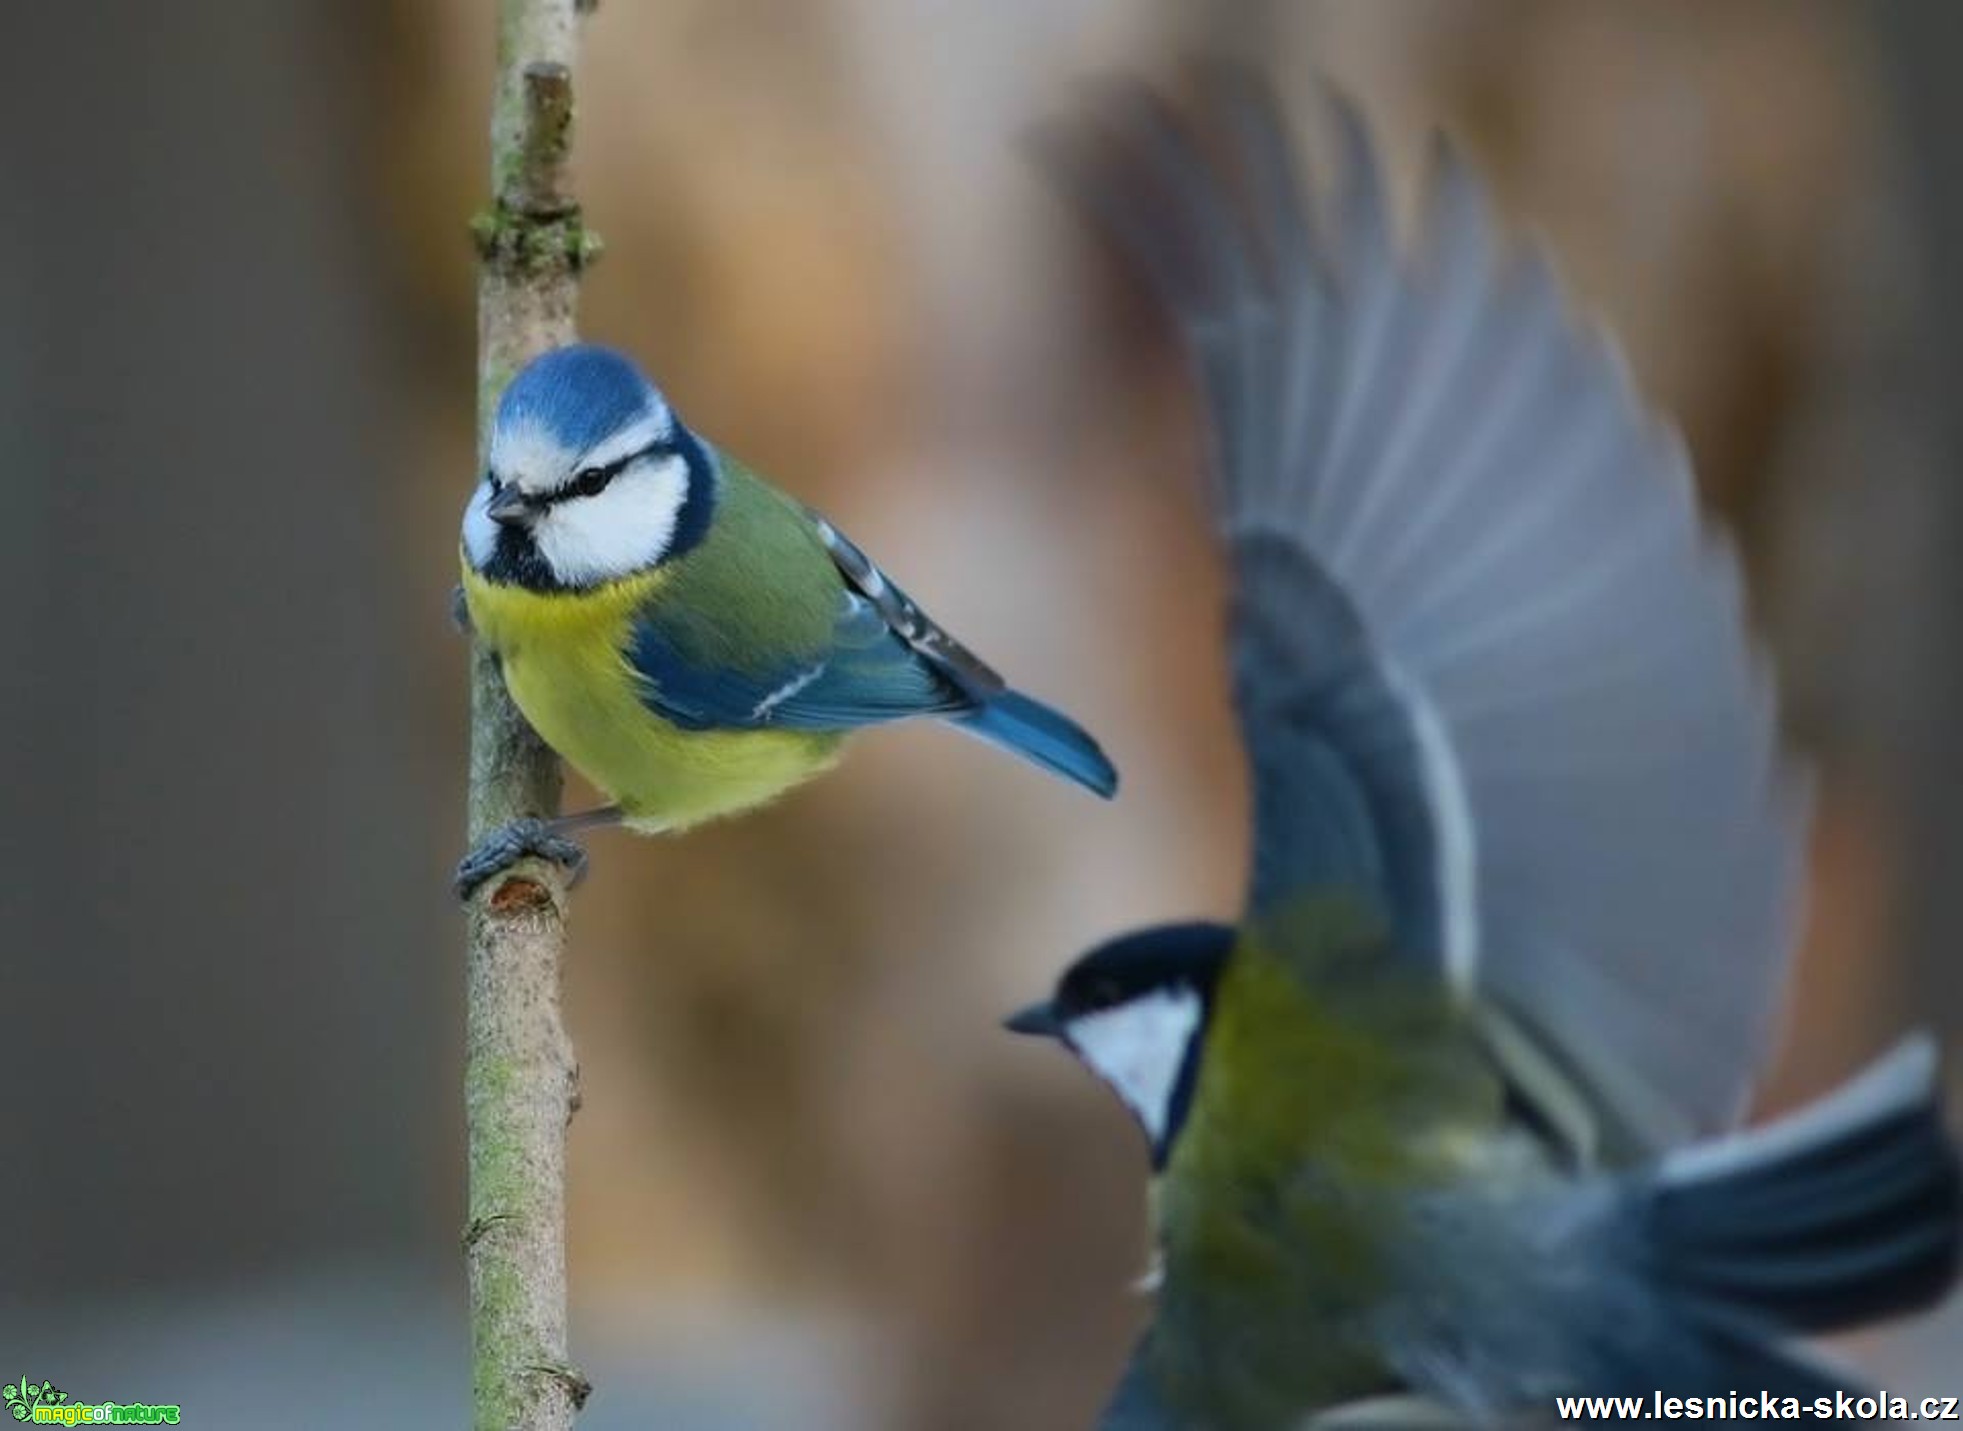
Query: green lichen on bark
(502,1340)
(525,246)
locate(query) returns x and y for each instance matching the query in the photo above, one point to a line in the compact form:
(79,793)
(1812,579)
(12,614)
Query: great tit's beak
(1038,1020)
(509,506)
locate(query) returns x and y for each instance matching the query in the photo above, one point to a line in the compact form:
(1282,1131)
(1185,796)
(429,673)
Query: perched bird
(693,641)
(1447,1124)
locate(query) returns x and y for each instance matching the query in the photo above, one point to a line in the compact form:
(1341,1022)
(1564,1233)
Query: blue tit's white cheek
(622,530)
(1139,1047)
(480,533)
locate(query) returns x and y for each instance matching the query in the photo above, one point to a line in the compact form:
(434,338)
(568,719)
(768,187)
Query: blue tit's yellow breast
(564,660)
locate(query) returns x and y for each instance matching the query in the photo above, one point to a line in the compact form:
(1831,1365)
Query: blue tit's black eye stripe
(516,561)
(591,481)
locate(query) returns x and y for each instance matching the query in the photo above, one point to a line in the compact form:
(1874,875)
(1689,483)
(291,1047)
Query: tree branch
(520,1080)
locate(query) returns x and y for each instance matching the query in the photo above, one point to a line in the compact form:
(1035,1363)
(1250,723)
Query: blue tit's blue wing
(885,659)
(1002,717)
(864,675)
(926,638)
(1491,670)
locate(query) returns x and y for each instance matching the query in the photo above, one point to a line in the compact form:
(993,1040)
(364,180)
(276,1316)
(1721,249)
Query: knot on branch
(515,244)
(533,228)
(570,1378)
(477,1227)
(520,894)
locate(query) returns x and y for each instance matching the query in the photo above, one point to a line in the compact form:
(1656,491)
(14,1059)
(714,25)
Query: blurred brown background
(812,1185)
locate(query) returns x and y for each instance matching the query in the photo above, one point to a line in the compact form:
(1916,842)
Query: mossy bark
(520,1078)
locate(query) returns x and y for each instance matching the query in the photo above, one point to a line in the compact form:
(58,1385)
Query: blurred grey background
(812,1186)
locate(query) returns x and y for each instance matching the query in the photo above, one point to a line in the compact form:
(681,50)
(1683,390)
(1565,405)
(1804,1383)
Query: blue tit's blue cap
(579,394)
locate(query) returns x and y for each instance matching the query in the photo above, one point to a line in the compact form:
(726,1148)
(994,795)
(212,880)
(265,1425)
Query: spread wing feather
(1490,668)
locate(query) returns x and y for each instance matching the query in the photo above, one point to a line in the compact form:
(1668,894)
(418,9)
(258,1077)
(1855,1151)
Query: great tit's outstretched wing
(1491,670)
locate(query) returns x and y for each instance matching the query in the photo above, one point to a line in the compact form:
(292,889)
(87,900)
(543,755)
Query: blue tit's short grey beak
(1038,1020)
(509,506)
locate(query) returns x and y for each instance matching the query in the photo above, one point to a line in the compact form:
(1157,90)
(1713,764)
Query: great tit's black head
(591,477)
(1135,1012)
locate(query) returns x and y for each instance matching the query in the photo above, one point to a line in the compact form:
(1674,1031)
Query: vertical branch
(520,1080)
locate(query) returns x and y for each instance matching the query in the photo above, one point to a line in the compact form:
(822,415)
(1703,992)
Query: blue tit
(1447,1124)
(686,636)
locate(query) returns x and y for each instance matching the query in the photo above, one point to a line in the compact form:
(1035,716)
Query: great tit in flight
(1448,1123)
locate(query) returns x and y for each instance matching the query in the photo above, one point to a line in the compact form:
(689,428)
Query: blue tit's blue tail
(1048,737)
(1845,1212)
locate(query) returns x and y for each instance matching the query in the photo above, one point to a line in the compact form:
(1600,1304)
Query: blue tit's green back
(758,592)
(751,632)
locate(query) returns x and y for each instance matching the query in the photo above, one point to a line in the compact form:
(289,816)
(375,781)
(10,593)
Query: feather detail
(1492,672)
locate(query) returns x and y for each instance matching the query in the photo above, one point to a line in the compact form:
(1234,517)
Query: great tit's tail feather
(1849,1210)
(1045,736)
(1745,1360)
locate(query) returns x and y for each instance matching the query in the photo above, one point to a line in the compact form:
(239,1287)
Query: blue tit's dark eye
(590,481)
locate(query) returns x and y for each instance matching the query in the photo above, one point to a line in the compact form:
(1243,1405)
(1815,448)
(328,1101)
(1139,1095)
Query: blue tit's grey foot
(508,844)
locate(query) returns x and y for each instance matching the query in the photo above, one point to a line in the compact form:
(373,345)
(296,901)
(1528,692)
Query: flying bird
(1448,1121)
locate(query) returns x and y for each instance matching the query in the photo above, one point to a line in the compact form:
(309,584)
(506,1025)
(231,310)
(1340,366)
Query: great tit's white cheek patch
(525,452)
(480,533)
(1138,1047)
(624,529)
